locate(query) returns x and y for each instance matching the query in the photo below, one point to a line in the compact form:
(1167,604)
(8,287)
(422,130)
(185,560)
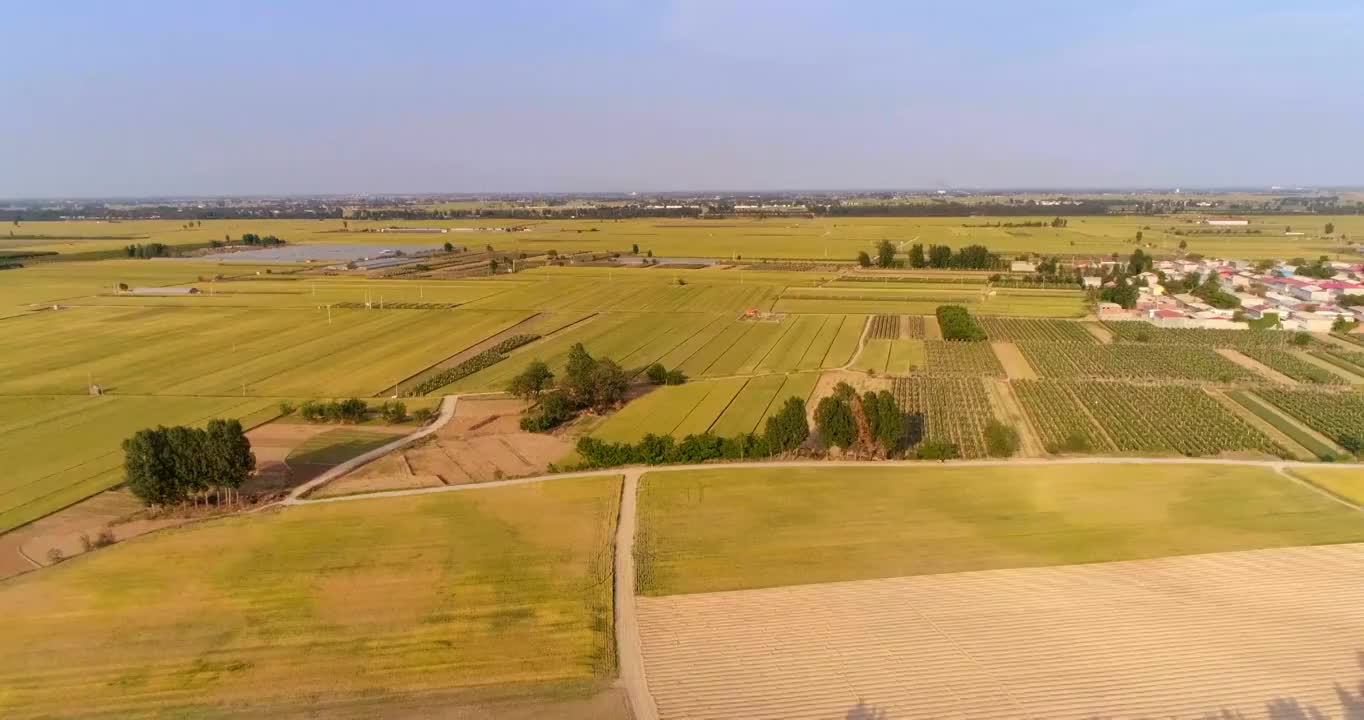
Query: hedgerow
(478,362)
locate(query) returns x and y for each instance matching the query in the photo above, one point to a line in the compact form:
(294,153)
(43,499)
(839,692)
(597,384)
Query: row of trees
(591,383)
(871,424)
(169,465)
(148,250)
(971,257)
(784,432)
(257,240)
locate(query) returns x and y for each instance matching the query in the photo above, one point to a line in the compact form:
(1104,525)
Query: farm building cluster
(1301,302)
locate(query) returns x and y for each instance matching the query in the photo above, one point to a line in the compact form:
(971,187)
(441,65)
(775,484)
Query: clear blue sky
(184,98)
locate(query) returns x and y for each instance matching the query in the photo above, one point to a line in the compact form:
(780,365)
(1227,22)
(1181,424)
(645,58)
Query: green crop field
(347,609)
(734,529)
(59,450)
(777,238)
(281,353)
(725,406)
(895,357)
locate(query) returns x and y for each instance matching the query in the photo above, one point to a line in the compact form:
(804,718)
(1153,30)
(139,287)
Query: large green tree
(786,430)
(885,254)
(531,382)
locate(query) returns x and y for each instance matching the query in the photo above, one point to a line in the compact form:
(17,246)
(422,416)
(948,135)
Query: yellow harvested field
(1256,635)
(1345,482)
(343,609)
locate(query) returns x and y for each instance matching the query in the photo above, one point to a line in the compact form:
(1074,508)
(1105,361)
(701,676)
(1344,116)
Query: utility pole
(329,314)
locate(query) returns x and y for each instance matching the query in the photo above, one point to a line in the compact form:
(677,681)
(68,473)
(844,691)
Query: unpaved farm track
(1263,635)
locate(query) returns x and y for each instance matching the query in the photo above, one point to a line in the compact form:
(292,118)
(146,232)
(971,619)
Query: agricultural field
(1344,482)
(1141,332)
(752,238)
(282,353)
(1276,639)
(338,609)
(61,449)
(925,300)
(891,357)
(1202,426)
(884,327)
(1291,365)
(734,529)
(1335,415)
(1347,360)
(1132,361)
(701,345)
(951,410)
(945,357)
(1015,330)
(726,406)
(1061,421)
(1315,444)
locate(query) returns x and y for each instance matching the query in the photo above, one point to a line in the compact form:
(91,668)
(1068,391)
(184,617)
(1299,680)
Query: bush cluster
(659,375)
(352,411)
(478,362)
(957,324)
(588,382)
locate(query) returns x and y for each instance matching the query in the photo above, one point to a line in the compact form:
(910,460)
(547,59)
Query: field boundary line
(1319,489)
(1329,367)
(1294,421)
(824,464)
(861,343)
(1259,423)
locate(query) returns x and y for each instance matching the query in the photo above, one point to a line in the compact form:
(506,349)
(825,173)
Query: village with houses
(1329,294)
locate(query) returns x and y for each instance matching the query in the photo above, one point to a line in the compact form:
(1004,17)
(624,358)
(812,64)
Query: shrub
(54,556)
(1076,442)
(553,410)
(1000,439)
(394,412)
(657,374)
(935,450)
(675,377)
(423,415)
(664,449)
(286,408)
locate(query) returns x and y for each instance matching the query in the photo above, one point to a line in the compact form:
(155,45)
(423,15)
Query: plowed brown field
(1263,634)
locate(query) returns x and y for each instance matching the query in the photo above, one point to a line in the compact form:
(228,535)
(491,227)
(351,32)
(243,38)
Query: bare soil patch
(481,443)
(1099,332)
(1243,634)
(931,329)
(1015,365)
(1009,411)
(1256,366)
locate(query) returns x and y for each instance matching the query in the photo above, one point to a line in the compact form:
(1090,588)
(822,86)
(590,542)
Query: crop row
(1123,361)
(1292,365)
(1339,416)
(1022,330)
(478,362)
(1060,419)
(885,327)
(948,410)
(916,327)
(1141,332)
(961,358)
(1350,360)
(1171,418)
